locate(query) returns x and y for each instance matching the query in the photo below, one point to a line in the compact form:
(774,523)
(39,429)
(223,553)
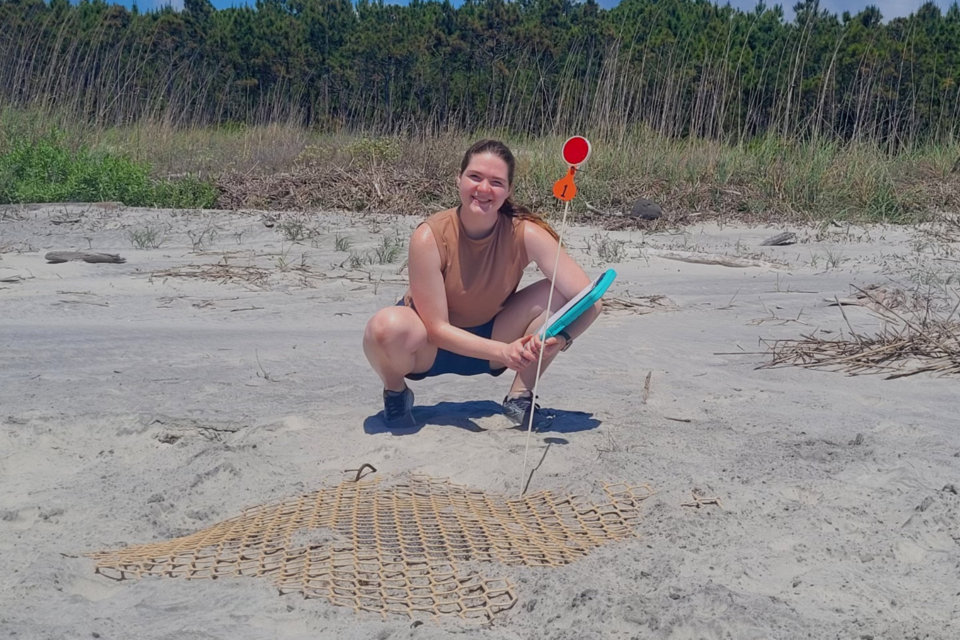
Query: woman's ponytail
(513,210)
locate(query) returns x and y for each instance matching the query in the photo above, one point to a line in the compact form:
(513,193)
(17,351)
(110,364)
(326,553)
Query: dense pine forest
(679,67)
(704,107)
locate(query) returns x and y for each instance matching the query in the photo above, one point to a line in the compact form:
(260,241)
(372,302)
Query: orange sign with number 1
(576,150)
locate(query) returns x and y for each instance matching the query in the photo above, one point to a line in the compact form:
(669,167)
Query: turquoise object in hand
(569,313)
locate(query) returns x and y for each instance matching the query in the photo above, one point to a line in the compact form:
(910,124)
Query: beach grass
(44,158)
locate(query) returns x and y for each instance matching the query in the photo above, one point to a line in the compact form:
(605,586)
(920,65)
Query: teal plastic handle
(566,316)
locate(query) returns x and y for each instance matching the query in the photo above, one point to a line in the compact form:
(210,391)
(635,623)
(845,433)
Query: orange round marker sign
(576,150)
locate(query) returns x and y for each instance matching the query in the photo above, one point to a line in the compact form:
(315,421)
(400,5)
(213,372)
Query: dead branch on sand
(926,342)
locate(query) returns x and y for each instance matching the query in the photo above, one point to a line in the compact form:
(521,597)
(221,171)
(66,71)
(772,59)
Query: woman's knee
(391,327)
(383,328)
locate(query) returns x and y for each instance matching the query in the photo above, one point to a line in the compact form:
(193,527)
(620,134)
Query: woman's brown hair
(509,208)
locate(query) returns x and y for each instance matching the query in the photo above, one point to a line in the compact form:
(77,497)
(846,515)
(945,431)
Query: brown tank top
(478,275)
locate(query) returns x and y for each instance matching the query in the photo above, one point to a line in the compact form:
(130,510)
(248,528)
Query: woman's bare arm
(542,249)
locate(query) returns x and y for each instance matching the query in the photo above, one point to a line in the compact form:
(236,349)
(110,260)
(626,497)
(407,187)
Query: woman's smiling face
(484,184)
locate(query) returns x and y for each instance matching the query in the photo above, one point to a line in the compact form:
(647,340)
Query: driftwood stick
(57,257)
(787,237)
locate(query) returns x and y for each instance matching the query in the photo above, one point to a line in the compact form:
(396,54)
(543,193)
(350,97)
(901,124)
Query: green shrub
(375,149)
(46,170)
(185,193)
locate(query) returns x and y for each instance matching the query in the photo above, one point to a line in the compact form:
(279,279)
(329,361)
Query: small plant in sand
(815,259)
(146,237)
(834,257)
(342,243)
(389,250)
(830,258)
(284,263)
(295,229)
(607,248)
(355,261)
(202,237)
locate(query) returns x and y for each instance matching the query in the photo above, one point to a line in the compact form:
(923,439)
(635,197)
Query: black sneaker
(517,411)
(398,409)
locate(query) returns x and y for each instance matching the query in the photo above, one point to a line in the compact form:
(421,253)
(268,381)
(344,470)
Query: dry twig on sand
(695,257)
(926,342)
(638,304)
(221,273)
(699,500)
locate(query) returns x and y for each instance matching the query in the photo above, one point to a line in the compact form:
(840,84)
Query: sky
(888,8)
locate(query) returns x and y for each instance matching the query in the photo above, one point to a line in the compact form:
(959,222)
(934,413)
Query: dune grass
(282,165)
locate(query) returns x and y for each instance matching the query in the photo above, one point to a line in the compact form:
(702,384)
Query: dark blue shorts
(450,362)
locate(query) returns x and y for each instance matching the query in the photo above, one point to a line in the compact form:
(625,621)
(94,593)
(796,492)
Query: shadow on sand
(463,414)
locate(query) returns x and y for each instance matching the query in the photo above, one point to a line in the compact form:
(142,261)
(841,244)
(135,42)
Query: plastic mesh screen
(391,549)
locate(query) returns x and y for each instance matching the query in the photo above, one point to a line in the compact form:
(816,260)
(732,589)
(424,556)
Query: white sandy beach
(138,405)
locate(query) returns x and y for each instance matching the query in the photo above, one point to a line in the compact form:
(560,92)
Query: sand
(137,405)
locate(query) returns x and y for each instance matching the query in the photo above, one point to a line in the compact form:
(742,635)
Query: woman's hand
(520,354)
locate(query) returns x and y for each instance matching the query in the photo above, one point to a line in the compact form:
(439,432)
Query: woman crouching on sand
(463,313)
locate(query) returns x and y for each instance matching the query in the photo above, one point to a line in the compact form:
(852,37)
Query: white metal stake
(536,382)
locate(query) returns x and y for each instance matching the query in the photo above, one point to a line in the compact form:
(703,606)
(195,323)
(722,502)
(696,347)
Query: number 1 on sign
(565,188)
